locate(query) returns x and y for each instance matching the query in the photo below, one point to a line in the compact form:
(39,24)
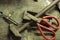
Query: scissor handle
(47,17)
(42,33)
(41,26)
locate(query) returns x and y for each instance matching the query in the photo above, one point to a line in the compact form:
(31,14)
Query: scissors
(46,28)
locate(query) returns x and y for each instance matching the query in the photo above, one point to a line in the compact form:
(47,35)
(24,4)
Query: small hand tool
(48,29)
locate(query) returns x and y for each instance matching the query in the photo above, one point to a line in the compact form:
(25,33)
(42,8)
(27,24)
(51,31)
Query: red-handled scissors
(50,30)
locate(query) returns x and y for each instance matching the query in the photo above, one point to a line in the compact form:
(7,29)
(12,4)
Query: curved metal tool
(48,29)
